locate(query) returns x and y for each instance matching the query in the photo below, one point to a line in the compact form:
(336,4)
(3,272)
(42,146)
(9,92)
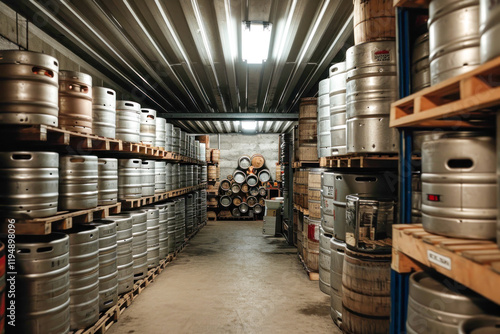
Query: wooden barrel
(229,177)
(208,155)
(258,161)
(278,172)
(313,227)
(298,230)
(374,20)
(237,200)
(212,201)
(303,189)
(244,188)
(366,293)
(225,185)
(307,130)
(314,192)
(295,226)
(218,172)
(262,201)
(215,156)
(212,172)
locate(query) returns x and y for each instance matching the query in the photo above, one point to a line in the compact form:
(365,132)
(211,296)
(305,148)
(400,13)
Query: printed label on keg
(440,260)
(382,55)
(330,191)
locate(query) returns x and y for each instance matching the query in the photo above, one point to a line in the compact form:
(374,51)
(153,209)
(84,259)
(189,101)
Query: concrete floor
(231,279)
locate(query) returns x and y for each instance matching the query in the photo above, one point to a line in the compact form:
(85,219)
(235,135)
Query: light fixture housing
(255,39)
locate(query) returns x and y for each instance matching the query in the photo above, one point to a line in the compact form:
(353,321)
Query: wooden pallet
(63,220)
(360,160)
(313,275)
(412,3)
(148,200)
(305,163)
(81,143)
(473,263)
(467,100)
(109,317)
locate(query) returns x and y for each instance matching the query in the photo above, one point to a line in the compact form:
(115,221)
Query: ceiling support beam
(232,116)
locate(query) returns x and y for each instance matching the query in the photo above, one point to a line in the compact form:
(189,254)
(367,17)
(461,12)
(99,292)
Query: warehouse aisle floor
(230,279)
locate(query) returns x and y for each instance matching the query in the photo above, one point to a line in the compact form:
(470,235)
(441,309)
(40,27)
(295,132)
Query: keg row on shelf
(34,91)
(65,279)
(39,184)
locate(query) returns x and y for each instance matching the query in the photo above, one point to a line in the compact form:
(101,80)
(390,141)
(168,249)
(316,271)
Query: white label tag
(440,260)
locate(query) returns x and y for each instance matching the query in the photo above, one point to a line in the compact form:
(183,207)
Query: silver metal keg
(480,324)
(104,112)
(244,162)
(176,176)
(139,243)
(489,27)
(373,184)
(75,101)
(108,270)
(83,275)
(171,226)
(324,136)
(371,86)
(42,283)
(324,261)
(252,180)
(169,129)
(453,38)
(239,176)
(78,176)
(180,216)
(30,184)
(182,142)
(327,195)
(153,236)
(416,198)
(169,182)
(124,258)
(257,208)
(163,230)
(203,152)
(337,76)
(337,252)
(148,126)
(129,178)
(176,140)
(420,64)
(369,222)
(107,181)
(148,177)
(29,84)
(160,177)
(160,136)
(243,207)
(264,175)
(437,304)
(459,189)
(128,121)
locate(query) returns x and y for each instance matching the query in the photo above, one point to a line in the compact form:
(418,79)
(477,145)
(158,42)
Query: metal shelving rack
(406,115)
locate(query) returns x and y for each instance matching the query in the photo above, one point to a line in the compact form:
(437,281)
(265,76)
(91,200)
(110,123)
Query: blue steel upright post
(399,282)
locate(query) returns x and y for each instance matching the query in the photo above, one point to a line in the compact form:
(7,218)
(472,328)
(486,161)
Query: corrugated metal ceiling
(184,56)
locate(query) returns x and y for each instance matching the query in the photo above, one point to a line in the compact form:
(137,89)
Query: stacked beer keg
(90,264)
(244,191)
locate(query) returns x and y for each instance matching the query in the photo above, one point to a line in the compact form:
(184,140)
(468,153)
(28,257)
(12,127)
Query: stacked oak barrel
(244,192)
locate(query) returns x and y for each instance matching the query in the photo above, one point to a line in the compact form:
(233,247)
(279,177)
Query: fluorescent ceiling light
(248,125)
(256,36)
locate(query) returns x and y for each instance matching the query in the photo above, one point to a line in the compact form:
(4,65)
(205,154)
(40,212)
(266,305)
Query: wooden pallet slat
(462,98)
(473,263)
(61,221)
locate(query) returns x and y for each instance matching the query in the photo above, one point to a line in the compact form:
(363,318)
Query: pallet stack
(213,184)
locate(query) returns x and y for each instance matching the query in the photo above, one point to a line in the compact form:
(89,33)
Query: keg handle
(110,92)
(366,179)
(460,163)
(42,71)
(77,160)
(21,157)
